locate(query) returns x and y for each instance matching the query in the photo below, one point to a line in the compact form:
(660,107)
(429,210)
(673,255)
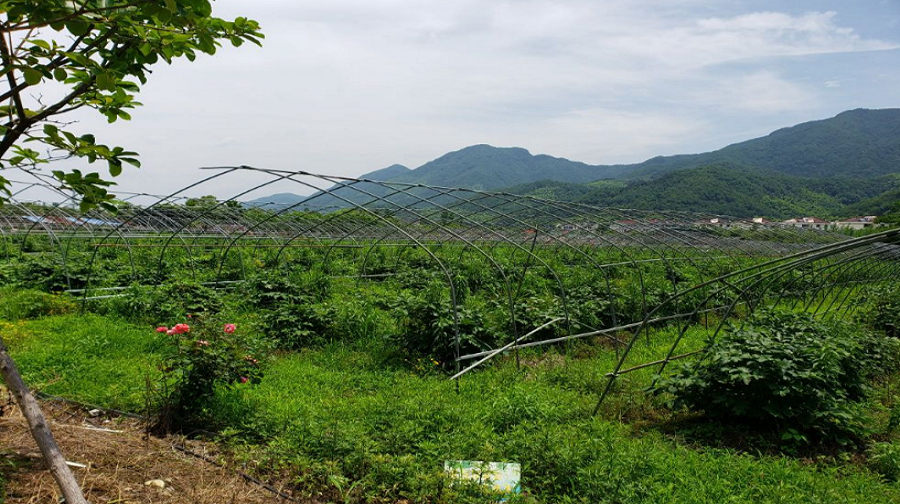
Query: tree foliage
(59,56)
(786,370)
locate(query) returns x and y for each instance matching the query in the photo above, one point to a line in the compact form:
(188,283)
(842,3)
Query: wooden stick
(68,485)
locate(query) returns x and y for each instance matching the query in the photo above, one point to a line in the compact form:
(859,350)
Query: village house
(857,222)
(807,223)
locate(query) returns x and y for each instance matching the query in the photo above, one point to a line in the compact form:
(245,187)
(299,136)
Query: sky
(345,87)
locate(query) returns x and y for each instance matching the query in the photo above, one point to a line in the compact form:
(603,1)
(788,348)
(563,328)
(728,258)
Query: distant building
(623,225)
(807,223)
(715,221)
(857,222)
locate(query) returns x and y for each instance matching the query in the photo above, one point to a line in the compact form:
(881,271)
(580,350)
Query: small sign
(502,477)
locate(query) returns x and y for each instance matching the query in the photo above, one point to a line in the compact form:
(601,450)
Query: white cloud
(762,92)
(347,86)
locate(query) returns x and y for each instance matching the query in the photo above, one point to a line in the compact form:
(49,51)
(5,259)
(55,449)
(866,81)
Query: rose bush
(201,356)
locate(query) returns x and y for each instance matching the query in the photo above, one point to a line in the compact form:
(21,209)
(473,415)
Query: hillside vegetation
(731,190)
(837,167)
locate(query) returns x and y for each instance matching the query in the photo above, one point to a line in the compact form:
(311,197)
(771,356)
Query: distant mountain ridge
(856,144)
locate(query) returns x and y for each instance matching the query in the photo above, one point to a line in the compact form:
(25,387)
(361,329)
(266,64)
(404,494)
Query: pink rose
(181,328)
(171,331)
(244,379)
(162,329)
(229,328)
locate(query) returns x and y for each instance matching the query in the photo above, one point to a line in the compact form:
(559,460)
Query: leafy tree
(62,55)
(209,201)
(892,217)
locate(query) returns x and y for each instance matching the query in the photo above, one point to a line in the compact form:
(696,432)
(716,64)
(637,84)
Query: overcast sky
(344,87)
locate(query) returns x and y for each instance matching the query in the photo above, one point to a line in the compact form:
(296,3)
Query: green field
(354,401)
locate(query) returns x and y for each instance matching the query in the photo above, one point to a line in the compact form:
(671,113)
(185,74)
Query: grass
(88,358)
(357,416)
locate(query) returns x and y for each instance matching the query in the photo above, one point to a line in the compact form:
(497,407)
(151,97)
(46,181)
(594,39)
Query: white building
(857,222)
(807,223)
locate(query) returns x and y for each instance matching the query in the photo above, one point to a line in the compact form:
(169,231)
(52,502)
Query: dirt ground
(120,462)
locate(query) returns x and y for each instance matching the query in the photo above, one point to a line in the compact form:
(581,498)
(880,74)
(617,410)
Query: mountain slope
(857,143)
(854,145)
(732,190)
(485,167)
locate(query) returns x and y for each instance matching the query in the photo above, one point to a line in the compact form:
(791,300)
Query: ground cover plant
(353,413)
(799,374)
(334,379)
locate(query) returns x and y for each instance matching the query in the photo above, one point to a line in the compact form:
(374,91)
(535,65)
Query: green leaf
(77,27)
(115,168)
(60,74)
(32,76)
(103,81)
(131,161)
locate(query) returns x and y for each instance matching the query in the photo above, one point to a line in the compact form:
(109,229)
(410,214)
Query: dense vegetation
(351,401)
(733,190)
(857,143)
(837,167)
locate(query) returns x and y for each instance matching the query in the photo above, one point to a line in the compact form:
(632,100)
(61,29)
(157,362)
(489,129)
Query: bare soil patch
(120,460)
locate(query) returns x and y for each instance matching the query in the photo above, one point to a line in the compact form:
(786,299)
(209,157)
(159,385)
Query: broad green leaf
(32,76)
(103,81)
(77,27)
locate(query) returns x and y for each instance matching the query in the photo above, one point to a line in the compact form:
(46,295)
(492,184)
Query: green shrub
(201,356)
(884,458)
(428,326)
(16,304)
(292,312)
(298,324)
(169,301)
(268,290)
(882,311)
(784,370)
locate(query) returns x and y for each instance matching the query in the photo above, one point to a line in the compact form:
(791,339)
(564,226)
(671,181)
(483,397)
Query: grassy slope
(343,412)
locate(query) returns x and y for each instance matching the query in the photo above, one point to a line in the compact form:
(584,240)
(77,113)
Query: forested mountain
(733,190)
(830,167)
(486,167)
(857,143)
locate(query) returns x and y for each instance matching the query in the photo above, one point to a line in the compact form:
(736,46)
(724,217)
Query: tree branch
(8,63)
(14,131)
(62,60)
(81,12)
